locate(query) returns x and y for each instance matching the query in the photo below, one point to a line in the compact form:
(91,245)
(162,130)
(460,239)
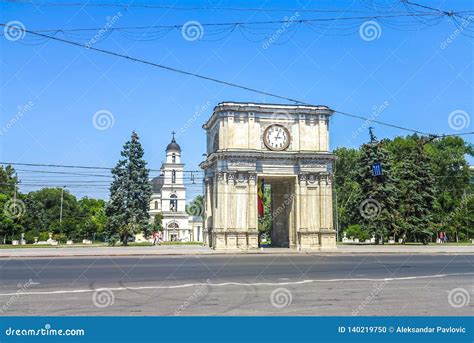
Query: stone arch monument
(288,147)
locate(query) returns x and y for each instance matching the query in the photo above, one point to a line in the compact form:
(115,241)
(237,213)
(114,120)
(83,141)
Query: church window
(173,225)
(173,158)
(156,205)
(173,203)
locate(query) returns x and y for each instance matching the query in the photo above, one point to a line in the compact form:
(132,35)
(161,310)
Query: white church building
(169,198)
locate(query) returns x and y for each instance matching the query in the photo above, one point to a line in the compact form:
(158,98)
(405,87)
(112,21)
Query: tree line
(409,188)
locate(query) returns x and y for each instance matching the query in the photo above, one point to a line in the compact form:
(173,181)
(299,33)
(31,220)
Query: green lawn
(9,246)
(80,245)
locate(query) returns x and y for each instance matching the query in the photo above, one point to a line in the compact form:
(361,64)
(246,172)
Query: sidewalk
(200,250)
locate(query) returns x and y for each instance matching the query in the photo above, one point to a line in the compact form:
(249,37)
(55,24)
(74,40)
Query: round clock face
(276,137)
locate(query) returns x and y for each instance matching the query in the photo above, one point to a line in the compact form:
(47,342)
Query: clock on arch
(276,137)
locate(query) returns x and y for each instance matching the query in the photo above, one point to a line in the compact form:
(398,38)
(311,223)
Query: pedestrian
(445,238)
(155,238)
(160,237)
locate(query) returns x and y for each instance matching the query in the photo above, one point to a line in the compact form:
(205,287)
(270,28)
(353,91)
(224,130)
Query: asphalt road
(239,285)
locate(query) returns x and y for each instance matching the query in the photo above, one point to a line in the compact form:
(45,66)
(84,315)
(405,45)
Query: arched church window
(173,203)
(173,225)
(156,205)
(173,176)
(173,158)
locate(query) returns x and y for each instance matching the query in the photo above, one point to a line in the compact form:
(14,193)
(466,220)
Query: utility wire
(234,24)
(180,71)
(170,7)
(155,64)
(79,166)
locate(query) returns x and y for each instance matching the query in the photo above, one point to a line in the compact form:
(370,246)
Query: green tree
(10,229)
(92,218)
(158,222)
(357,231)
(346,187)
(265,222)
(453,179)
(8,180)
(130,193)
(417,190)
(44,208)
(196,207)
(377,203)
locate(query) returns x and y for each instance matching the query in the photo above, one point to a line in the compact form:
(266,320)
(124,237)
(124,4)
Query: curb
(315,253)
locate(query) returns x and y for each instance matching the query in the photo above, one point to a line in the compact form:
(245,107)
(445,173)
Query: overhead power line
(108,52)
(235,24)
(78,166)
(180,8)
(230,84)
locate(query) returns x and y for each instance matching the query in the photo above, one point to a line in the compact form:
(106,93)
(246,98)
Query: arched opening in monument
(277,225)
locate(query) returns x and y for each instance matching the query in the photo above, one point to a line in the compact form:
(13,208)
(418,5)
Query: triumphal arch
(285,148)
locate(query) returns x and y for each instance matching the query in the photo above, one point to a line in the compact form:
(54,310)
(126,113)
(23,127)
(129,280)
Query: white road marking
(289,283)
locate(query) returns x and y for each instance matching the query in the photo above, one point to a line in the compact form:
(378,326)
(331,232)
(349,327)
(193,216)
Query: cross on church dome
(173,146)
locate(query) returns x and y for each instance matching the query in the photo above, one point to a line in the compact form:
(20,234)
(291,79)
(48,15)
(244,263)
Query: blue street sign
(377,169)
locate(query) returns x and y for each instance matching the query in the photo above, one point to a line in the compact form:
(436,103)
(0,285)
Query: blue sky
(414,78)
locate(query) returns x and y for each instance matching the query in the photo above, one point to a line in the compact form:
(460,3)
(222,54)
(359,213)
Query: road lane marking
(254,284)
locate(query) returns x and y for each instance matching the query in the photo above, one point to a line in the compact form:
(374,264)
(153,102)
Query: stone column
(322,196)
(252,225)
(328,234)
(208,211)
(220,225)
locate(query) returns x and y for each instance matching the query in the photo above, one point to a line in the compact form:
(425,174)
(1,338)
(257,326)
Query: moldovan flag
(260,198)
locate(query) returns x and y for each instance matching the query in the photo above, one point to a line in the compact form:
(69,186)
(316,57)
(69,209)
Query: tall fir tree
(417,192)
(130,193)
(377,201)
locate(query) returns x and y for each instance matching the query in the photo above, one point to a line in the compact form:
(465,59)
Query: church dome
(173,146)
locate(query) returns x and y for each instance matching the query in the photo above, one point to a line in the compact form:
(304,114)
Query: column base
(233,239)
(309,239)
